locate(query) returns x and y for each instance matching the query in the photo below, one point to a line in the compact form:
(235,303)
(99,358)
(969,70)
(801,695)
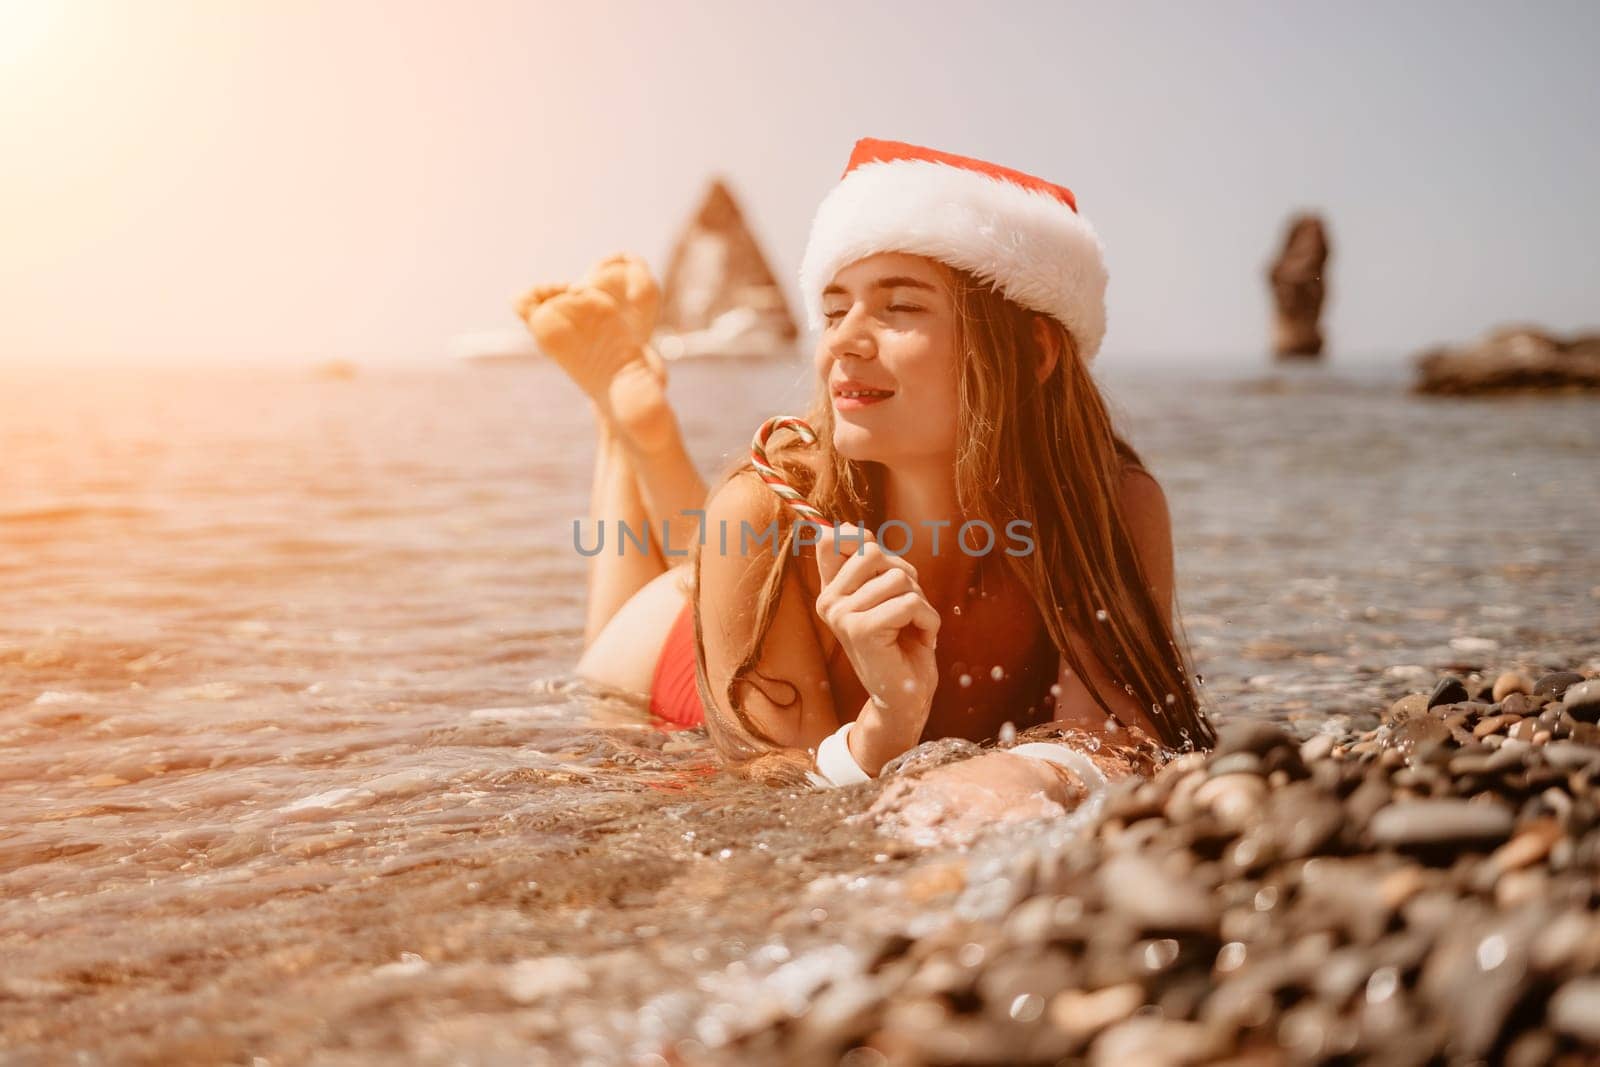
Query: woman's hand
(952,804)
(872,602)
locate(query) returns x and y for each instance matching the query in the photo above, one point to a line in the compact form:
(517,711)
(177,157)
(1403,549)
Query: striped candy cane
(775,481)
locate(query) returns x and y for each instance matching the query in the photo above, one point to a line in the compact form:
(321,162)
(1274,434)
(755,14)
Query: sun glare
(26,26)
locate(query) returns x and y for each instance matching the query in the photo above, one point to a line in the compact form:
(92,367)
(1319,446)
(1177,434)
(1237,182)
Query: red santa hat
(1017,232)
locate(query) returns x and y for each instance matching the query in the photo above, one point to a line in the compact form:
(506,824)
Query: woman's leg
(666,477)
(643,474)
(643,477)
(669,484)
(615,576)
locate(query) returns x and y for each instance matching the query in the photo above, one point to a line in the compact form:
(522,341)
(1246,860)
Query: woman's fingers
(862,589)
(835,552)
(906,609)
(855,572)
(830,554)
(887,583)
(865,565)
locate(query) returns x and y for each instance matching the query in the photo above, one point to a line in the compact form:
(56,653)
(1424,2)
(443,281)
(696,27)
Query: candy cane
(775,481)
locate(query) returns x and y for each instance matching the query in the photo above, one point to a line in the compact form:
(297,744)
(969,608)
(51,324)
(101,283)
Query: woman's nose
(853,336)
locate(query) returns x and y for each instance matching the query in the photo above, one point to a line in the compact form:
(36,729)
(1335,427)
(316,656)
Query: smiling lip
(848,396)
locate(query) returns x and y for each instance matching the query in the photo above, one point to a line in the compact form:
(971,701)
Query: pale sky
(216,181)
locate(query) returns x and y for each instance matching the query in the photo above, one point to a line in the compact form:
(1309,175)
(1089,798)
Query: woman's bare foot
(626,277)
(586,331)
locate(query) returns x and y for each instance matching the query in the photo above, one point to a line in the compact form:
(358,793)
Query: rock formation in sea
(719,297)
(1298,289)
(1512,359)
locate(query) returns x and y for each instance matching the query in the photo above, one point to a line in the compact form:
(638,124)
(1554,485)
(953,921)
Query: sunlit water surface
(293,766)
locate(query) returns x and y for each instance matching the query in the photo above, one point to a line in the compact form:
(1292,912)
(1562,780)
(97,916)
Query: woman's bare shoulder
(742,528)
(731,583)
(740,497)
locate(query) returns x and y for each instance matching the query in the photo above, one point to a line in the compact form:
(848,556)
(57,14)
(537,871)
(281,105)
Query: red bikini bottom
(674,697)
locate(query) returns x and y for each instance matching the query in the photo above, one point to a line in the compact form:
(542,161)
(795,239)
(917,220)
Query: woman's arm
(1144,505)
(730,584)
(872,602)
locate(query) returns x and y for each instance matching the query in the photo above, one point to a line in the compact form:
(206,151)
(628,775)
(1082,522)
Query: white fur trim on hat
(1033,247)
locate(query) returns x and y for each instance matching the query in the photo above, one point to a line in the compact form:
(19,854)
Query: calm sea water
(292,764)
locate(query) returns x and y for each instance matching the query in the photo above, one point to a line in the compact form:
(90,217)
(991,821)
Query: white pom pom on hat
(1019,233)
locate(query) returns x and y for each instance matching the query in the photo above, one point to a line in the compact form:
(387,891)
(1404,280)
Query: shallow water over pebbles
(293,768)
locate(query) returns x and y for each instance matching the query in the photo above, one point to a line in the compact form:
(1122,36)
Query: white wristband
(835,764)
(1071,759)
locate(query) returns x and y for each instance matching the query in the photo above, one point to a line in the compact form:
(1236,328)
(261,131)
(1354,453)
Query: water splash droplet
(965,680)
(1102,615)
(997,672)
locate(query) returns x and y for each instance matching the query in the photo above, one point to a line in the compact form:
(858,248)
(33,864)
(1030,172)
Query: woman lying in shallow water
(959,305)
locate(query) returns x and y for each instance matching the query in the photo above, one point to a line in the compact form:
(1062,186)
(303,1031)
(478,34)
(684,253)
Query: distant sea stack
(719,297)
(335,370)
(1298,289)
(1512,359)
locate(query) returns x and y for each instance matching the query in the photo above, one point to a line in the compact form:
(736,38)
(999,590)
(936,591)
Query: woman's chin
(855,443)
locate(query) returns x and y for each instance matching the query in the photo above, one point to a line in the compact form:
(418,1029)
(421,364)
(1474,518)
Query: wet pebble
(1082,1014)
(1571,756)
(1511,682)
(1575,1009)
(1155,1042)
(1153,899)
(1319,747)
(1518,705)
(1556,683)
(1582,701)
(1448,690)
(1422,823)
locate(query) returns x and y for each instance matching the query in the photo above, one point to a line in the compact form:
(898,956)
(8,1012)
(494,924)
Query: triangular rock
(719,297)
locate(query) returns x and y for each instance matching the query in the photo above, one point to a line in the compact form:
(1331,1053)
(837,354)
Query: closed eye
(832,316)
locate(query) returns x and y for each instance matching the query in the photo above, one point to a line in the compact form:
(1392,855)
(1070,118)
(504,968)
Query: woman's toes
(657,365)
(529,301)
(627,278)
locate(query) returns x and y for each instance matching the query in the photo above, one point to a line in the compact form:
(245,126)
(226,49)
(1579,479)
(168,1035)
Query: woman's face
(890,330)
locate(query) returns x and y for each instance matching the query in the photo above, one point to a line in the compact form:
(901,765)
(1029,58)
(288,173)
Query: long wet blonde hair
(1046,453)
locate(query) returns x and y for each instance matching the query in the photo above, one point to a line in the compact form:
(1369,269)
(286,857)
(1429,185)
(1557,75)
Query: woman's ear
(1049,343)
